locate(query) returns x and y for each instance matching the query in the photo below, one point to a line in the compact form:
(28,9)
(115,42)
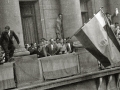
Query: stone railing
(100,80)
(88,78)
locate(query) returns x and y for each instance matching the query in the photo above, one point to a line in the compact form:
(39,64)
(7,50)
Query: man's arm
(16,37)
(44,52)
(1,39)
(56,49)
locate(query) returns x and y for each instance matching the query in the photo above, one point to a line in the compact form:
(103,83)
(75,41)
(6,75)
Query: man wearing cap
(7,43)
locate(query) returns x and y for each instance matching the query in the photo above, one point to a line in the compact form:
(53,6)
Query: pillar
(97,4)
(10,15)
(72,20)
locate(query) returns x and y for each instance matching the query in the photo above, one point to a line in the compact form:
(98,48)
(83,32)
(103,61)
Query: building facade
(36,19)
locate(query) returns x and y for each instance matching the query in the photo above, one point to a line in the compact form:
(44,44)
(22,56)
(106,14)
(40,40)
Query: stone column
(72,20)
(10,15)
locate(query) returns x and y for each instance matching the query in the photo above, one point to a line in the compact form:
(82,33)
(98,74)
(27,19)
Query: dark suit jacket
(111,19)
(50,51)
(8,40)
(41,52)
(32,50)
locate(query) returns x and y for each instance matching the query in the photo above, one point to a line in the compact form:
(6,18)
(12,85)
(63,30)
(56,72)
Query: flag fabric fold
(97,37)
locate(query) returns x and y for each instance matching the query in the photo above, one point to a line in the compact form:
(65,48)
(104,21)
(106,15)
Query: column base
(21,52)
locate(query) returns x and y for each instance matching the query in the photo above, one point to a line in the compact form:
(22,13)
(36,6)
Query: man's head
(32,45)
(35,45)
(46,42)
(68,39)
(41,43)
(7,28)
(60,15)
(118,27)
(64,40)
(108,15)
(116,24)
(52,41)
(57,40)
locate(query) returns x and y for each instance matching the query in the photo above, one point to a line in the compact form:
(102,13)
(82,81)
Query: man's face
(116,25)
(57,40)
(64,41)
(52,41)
(108,15)
(35,44)
(6,29)
(42,44)
(60,16)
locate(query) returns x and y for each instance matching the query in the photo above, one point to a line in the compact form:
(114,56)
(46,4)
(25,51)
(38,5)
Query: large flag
(98,38)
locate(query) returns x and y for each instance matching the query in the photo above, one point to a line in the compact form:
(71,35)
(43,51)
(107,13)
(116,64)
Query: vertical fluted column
(10,15)
(72,20)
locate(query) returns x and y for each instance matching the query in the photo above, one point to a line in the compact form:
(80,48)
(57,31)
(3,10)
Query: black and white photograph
(60,45)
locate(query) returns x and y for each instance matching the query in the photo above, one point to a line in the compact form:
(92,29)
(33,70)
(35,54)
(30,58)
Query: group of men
(115,27)
(45,48)
(61,46)
(51,47)
(116,30)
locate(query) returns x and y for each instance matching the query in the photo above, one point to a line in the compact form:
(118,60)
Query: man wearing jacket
(7,43)
(51,48)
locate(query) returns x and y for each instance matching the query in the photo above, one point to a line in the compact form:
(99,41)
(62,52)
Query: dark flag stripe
(112,36)
(87,43)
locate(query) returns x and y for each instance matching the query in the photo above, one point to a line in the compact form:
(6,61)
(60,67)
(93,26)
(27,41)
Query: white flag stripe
(101,18)
(93,30)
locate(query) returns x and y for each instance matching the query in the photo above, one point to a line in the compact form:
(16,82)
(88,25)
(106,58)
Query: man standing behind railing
(7,43)
(59,27)
(52,48)
(41,51)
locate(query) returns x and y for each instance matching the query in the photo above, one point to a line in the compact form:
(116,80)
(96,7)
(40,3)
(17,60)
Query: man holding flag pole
(98,38)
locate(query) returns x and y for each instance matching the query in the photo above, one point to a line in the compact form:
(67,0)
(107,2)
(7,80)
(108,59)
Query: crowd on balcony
(51,47)
(116,30)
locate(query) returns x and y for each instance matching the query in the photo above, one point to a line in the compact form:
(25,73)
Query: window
(85,10)
(84,17)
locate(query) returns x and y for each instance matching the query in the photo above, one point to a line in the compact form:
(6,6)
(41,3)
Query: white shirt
(69,46)
(9,32)
(51,47)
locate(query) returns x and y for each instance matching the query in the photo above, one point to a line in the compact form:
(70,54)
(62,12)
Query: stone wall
(49,10)
(97,4)
(72,20)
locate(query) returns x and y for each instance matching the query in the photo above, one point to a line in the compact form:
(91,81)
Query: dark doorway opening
(29,24)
